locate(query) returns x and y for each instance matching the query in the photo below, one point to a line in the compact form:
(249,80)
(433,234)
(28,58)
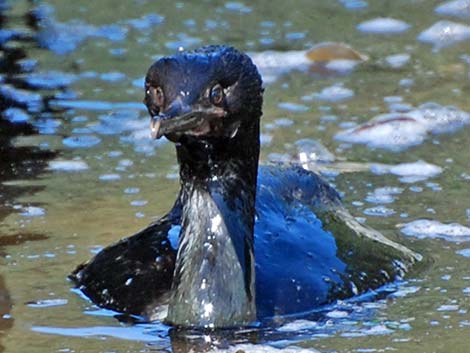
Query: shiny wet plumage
(300,264)
(252,243)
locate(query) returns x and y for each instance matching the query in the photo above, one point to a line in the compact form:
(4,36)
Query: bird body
(241,243)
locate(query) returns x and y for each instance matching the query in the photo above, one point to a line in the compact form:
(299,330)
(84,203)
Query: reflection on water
(78,171)
(16,162)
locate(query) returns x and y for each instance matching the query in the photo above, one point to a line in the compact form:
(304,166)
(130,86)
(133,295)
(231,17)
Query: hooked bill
(155,128)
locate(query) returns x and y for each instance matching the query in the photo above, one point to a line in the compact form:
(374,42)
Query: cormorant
(241,243)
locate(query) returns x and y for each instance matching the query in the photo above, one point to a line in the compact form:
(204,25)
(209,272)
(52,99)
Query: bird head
(212,92)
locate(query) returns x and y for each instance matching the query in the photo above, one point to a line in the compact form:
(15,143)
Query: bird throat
(214,278)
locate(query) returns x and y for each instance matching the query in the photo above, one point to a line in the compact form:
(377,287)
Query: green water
(83,212)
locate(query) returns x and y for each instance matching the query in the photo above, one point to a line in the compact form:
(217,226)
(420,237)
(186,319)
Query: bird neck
(214,276)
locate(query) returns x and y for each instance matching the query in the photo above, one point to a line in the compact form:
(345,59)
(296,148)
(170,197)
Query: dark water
(78,169)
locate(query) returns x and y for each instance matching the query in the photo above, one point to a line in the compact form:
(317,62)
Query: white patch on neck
(215,223)
(208,309)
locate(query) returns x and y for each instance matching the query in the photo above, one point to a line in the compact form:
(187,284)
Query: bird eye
(217,94)
(156,95)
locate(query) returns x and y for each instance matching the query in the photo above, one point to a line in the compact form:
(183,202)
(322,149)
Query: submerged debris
(329,51)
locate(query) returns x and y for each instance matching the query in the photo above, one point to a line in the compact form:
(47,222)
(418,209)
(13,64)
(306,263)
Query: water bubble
(379,211)
(342,66)
(47,303)
(49,79)
(32,211)
(113,76)
(16,115)
(131,191)
(183,40)
(295,35)
(444,33)
(383,26)
(464,252)
(115,154)
(383,195)
(293,107)
(31,100)
(80,119)
(448,307)
(81,141)
(139,203)
(398,131)
(265,139)
(424,229)
(354,4)
(68,165)
(109,177)
(456,8)
(398,60)
(146,22)
(335,93)
(237,6)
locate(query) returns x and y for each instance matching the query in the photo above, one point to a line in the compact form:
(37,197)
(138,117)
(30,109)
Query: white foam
(464,253)
(444,33)
(272,64)
(334,93)
(383,25)
(342,65)
(384,195)
(16,115)
(312,151)
(398,131)
(68,165)
(138,203)
(46,303)
(293,107)
(32,211)
(109,177)
(417,169)
(260,348)
(424,229)
(448,307)
(456,8)
(379,211)
(298,325)
(338,314)
(81,141)
(389,131)
(398,60)
(409,172)
(144,333)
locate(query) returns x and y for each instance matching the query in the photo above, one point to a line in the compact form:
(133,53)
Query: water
(78,170)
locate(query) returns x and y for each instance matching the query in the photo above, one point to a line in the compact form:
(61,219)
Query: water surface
(79,171)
